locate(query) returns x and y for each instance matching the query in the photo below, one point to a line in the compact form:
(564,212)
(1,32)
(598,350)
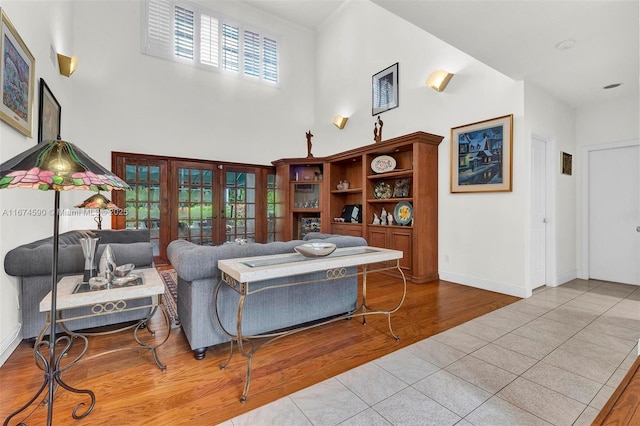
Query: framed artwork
(481,156)
(49,115)
(17,74)
(566,163)
(384,90)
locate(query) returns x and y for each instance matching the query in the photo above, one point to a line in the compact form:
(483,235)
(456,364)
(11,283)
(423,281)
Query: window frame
(166,49)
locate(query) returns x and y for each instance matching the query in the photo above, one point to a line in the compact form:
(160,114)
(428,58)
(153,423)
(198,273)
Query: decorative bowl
(315,249)
(123,270)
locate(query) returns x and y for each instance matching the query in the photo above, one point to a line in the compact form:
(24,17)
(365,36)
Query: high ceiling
(519,37)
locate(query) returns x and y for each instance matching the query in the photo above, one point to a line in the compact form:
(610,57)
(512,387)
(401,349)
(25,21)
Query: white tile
(481,330)
(545,403)
(587,417)
(581,365)
(504,358)
(481,373)
(406,366)
(368,417)
(460,340)
(435,352)
(602,397)
(371,383)
(282,411)
(452,392)
(525,346)
(565,382)
(411,407)
(328,403)
(498,412)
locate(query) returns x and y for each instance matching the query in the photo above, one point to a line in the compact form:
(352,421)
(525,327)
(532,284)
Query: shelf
(388,200)
(347,191)
(390,175)
(390,226)
(303,210)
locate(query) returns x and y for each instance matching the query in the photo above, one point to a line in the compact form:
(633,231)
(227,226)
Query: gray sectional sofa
(198,275)
(32,264)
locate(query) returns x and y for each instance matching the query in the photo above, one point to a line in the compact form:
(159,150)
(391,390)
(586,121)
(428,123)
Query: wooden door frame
(169,184)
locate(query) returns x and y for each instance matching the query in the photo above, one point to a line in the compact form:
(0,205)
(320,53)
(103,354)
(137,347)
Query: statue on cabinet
(377,133)
(383,217)
(309,136)
(376,219)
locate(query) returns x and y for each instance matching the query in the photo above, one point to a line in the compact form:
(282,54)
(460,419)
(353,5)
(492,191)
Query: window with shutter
(187,33)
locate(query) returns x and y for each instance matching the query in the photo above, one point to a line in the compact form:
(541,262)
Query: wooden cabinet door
(401,239)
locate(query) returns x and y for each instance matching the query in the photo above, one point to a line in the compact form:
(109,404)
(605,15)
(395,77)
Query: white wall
(41,24)
(554,121)
(127,101)
(483,235)
(609,122)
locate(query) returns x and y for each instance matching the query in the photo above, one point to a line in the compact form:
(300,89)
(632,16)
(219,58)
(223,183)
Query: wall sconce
(67,64)
(438,80)
(339,121)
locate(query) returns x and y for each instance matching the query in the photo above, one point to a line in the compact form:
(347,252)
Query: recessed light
(612,86)
(566,44)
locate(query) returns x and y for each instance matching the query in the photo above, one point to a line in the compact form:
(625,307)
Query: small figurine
(376,219)
(309,136)
(383,217)
(390,219)
(377,134)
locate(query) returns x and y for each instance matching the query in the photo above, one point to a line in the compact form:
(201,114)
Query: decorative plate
(403,213)
(383,190)
(383,163)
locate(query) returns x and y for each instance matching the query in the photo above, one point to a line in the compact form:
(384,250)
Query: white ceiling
(518,38)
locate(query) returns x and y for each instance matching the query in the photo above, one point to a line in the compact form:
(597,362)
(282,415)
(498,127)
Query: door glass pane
(240,210)
(142,201)
(195,205)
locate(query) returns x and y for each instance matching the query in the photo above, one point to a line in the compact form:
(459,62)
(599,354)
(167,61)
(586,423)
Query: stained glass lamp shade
(98,202)
(58,166)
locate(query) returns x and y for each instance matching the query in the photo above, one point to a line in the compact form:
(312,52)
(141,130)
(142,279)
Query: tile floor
(551,359)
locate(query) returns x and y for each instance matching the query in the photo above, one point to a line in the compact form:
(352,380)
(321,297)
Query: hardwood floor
(131,390)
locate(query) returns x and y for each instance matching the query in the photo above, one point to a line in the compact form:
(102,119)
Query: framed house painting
(481,156)
(49,115)
(17,77)
(384,90)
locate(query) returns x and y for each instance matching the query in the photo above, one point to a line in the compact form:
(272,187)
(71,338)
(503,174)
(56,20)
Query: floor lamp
(59,166)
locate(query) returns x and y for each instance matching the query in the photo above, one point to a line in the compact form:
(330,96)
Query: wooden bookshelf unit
(411,186)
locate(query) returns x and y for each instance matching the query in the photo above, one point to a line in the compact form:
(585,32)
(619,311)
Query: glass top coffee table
(241,275)
(72,294)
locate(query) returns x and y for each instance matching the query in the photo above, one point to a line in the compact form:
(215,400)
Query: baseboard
(10,343)
(511,290)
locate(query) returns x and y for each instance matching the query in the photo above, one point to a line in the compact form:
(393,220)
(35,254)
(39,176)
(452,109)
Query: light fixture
(98,202)
(58,166)
(340,121)
(67,64)
(438,80)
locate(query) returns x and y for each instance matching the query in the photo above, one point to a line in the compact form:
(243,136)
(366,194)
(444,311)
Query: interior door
(614,214)
(240,202)
(538,213)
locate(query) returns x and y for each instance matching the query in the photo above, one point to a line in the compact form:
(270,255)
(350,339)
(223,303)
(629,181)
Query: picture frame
(384,90)
(481,156)
(49,115)
(567,160)
(17,79)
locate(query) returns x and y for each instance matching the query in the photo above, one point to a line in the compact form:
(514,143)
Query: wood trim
(623,407)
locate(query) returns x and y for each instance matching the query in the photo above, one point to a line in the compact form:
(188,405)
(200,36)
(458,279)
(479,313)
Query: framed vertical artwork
(481,156)
(49,115)
(17,75)
(384,90)
(566,163)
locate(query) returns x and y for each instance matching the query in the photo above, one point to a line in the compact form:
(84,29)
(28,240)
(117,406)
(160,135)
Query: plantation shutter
(184,33)
(251,54)
(209,40)
(270,60)
(158,36)
(230,47)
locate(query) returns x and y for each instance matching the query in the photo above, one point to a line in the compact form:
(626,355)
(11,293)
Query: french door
(207,203)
